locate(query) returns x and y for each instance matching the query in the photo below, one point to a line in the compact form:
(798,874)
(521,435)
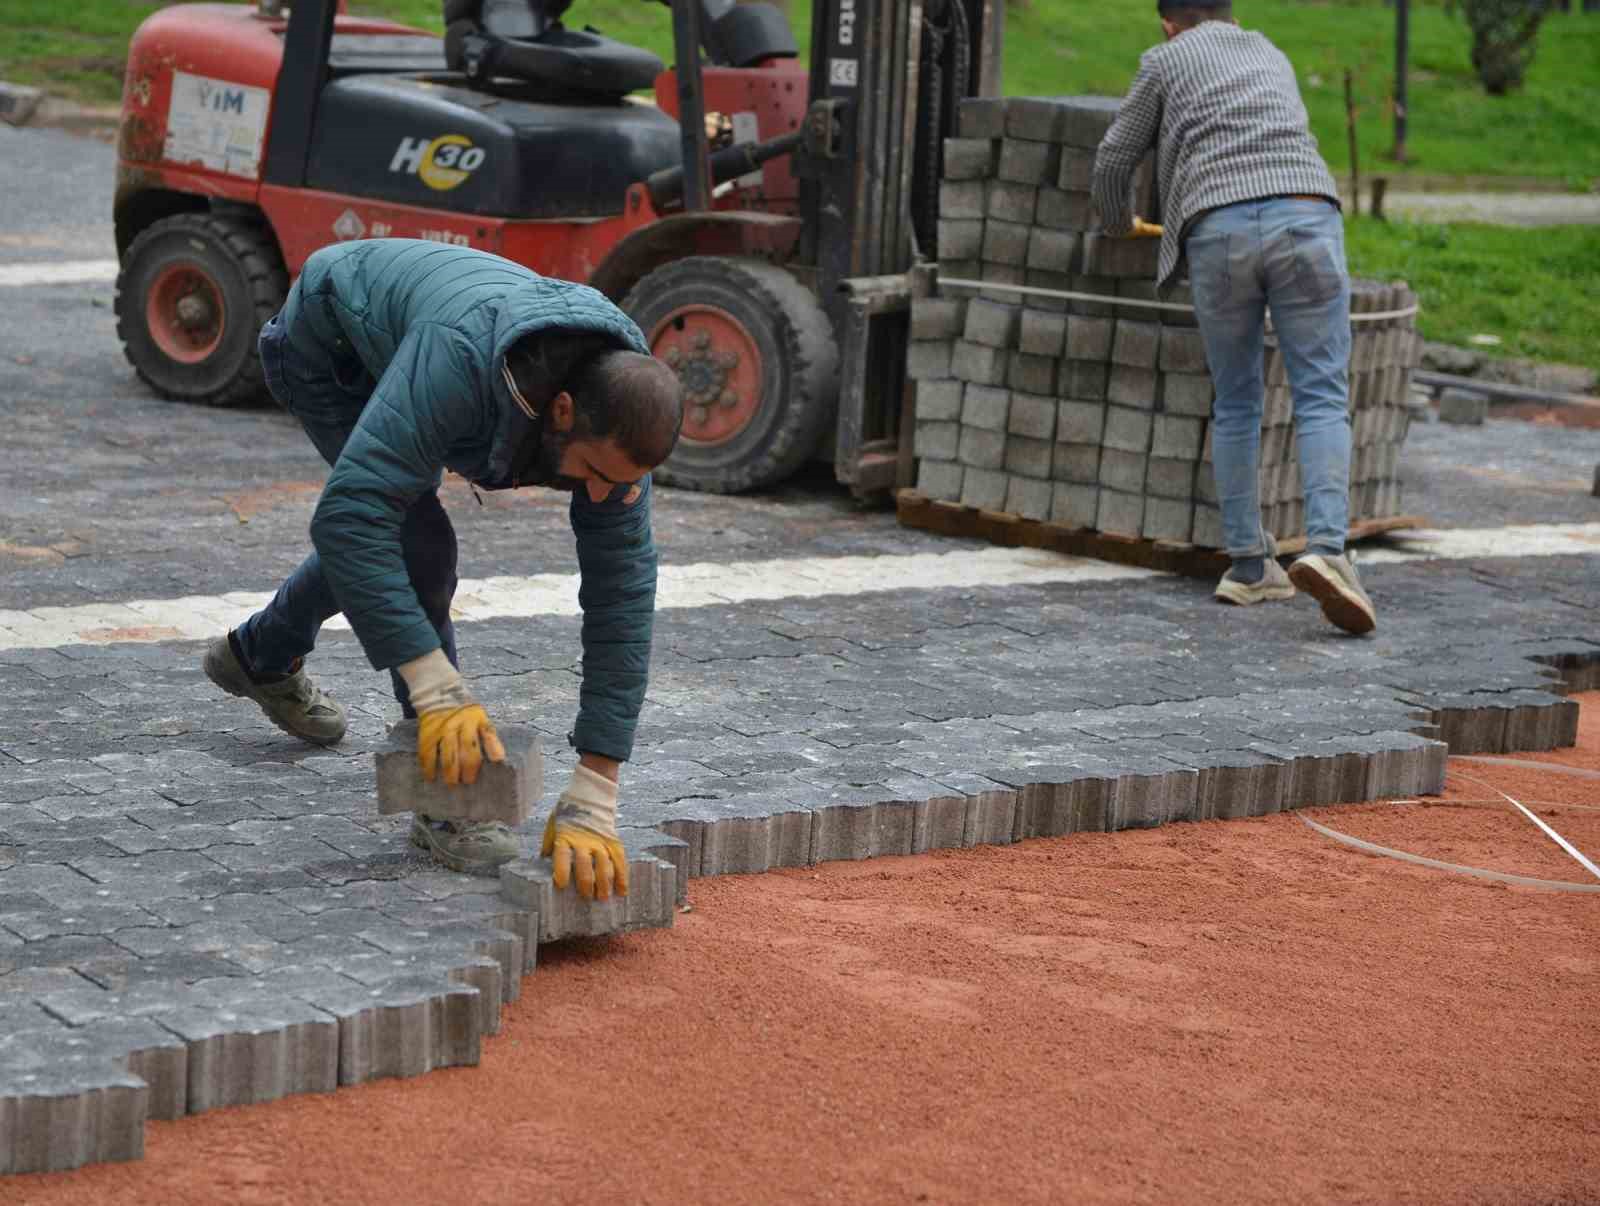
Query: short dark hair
(1187,16)
(631,398)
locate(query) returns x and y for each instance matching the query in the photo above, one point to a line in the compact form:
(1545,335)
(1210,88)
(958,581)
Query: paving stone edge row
(84,1096)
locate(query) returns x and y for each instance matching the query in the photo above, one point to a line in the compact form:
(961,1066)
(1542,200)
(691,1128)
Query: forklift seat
(525,40)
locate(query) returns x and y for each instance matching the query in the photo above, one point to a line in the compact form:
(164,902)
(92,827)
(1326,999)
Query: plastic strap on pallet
(1137,302)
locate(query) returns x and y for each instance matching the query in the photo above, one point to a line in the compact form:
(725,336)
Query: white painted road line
(1459,544)
(69,272)
(706,584)
(713,584)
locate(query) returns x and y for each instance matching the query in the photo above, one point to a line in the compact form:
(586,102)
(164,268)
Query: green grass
(1550,129)
(1535,289)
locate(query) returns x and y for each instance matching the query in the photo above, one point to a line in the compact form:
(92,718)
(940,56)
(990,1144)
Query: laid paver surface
(174,871)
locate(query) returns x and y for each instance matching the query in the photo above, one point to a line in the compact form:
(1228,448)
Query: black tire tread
(813,354)
(253,247)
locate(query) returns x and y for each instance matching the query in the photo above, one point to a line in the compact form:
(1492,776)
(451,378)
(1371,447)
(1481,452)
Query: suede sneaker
(1332,582)
(470,847)
(294,703)
(1274,584)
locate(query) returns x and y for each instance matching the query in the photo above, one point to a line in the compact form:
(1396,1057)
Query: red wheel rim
(183,313)
(720,367)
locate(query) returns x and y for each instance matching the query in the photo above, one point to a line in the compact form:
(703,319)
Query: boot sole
(1242,595)
(224,676)
(462,866)
(1343,609)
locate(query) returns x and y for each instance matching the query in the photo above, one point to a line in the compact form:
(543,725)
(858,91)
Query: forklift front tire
(194,292)
(759,367)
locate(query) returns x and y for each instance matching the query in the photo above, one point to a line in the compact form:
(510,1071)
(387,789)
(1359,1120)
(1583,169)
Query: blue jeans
(274,639)
(1286,255)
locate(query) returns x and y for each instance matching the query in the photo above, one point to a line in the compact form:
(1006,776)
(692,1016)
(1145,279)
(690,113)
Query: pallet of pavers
(1054,386)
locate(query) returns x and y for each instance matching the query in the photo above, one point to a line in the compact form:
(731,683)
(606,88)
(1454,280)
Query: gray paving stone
(1127,430)
(247,1055)
(1052,250)
(1083,380)
(1006,242)
(981,448)
(401,1027)
(1028,494)
(984,488)
(977,363)
(651,900)
(962,198)
(1056,209)
(1031,374)
(1008,202)
(969,158)
(1030,415)
(992,324)
(1128,386)
(1080,422)
(986,407)
(982,117)
(1073,504)
(1182,350)
(69,1115)
(937,440)
(1042,332)
(940,480)
(937,317)
(1135,343)
(1119,513)
(939,401)
(959,239)
(929,360)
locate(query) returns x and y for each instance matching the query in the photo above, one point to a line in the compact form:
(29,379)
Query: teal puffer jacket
(400,343)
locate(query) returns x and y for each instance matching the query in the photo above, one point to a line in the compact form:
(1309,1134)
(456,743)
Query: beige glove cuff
(590,800)
(434,684)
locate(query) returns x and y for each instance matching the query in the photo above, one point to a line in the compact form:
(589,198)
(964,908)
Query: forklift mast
(887,79)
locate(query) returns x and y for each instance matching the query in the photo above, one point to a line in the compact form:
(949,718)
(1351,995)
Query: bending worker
(402,358)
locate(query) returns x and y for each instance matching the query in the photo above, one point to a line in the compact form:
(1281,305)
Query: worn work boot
(1332,582)
(470,847)
(293,702)
(1273,584)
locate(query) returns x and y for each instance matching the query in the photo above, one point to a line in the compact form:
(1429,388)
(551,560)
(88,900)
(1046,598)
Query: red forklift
(760,220)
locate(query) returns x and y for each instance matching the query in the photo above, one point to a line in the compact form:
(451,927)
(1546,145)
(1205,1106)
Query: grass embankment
(1551,129)
(1536,290)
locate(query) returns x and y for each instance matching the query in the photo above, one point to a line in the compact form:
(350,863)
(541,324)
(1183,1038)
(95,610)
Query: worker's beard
(547,463)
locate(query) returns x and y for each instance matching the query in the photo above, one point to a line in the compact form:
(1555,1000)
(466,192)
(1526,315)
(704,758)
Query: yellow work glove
(454,734)
(1146,230)
(581,837)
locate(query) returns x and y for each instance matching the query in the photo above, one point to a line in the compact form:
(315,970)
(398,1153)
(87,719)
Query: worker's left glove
(1146,230)
(581,837)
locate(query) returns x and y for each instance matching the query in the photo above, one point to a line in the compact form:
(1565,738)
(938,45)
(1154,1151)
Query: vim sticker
(441,164)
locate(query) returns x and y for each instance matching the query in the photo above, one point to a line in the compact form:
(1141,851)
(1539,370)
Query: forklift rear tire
(758,362)
(193,294)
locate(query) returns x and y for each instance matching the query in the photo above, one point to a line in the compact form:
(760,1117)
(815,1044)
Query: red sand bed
(1238,1011)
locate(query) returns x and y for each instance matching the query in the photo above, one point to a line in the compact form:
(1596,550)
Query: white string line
(1475,801)
(1555,768)
(1549,832)
(1141,303)
(1527,881)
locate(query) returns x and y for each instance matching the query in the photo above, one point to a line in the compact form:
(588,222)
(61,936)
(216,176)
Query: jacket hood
(543,305)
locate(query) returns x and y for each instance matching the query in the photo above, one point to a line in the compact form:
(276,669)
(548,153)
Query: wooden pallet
(916,510)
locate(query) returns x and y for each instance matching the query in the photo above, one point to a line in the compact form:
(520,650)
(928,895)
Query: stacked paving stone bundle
(1096,413)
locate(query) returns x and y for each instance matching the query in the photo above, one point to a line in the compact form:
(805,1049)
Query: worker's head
(616,419)
(1179,15)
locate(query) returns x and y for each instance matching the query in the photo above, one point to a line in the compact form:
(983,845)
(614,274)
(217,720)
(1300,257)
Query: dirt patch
(1230,1012)
(247,504)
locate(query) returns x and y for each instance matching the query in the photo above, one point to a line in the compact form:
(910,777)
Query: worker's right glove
(1146,230)
(454,734)
(581,836)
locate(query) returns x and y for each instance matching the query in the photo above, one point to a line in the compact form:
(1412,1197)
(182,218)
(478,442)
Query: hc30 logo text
(441,163)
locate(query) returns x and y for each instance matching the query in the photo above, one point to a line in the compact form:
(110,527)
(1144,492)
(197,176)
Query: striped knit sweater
(1222,108)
